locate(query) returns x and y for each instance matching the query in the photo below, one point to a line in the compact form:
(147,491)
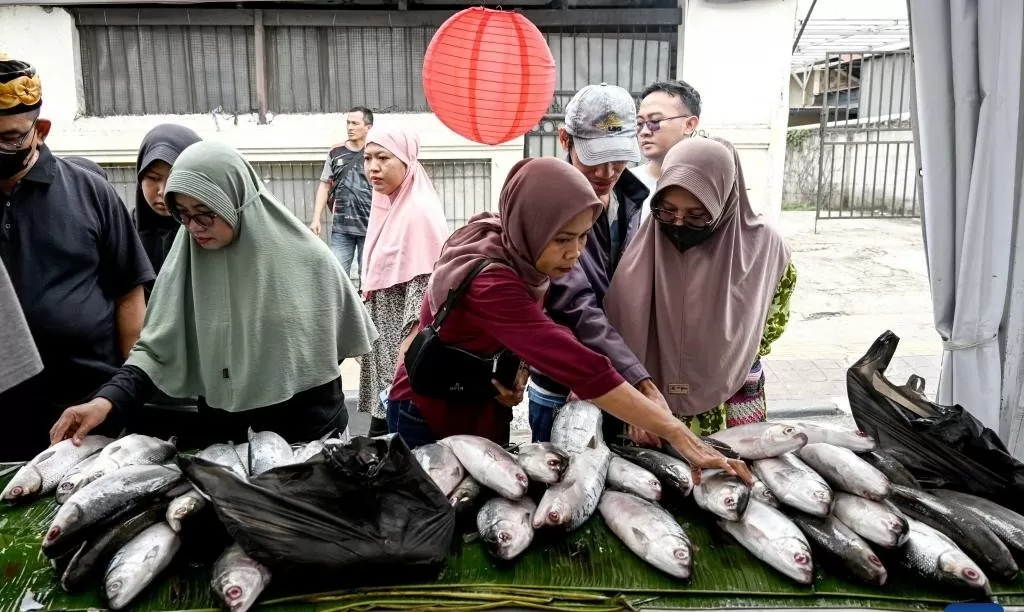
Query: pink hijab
(407,229)
(705,307)
(540,195)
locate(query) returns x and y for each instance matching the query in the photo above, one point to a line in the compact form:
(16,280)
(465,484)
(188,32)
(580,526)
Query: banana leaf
(588,570)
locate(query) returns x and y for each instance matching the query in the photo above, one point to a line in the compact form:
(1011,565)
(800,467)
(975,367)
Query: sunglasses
(653,125)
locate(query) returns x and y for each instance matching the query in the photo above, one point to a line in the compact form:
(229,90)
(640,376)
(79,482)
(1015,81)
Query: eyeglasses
(690,221)
(205,219)
(15,145)
(654,125)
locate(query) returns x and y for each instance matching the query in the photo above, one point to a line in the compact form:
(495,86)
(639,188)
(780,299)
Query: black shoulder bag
(441,371)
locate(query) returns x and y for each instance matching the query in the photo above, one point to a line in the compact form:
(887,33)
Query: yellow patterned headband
(23,90)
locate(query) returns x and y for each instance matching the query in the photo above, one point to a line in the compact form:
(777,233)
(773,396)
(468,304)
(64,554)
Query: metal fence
(866,161)
(464,185)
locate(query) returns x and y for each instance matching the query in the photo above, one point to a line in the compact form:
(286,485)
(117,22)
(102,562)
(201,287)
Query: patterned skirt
(745,406)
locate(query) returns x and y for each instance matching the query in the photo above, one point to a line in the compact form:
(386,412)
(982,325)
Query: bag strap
(454,295)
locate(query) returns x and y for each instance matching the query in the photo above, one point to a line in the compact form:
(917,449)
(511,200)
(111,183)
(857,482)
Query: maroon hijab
(541,194)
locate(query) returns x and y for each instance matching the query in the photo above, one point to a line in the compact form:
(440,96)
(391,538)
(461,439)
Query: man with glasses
(75,263)
(669,112)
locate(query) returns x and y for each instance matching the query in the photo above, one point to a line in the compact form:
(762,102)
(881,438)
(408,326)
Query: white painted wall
(737,56)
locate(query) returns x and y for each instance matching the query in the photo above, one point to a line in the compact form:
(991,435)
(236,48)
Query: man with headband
(75,263)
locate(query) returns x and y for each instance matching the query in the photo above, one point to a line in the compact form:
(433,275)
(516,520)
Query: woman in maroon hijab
(713,280)
(546,209)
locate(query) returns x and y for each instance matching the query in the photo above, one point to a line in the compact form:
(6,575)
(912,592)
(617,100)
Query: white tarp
(968,63)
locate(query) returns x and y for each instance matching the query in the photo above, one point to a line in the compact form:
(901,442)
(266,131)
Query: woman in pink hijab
(403,240)
(715,279)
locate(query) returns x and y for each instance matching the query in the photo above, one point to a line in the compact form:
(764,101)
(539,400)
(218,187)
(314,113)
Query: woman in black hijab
(157,153)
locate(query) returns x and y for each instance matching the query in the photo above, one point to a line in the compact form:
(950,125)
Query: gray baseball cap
(602,121)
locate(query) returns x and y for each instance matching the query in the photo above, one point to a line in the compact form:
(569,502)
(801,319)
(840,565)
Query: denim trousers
(542,414)
(347,247)
(404,419)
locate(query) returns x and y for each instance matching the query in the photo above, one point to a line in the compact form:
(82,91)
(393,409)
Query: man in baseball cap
(600,139)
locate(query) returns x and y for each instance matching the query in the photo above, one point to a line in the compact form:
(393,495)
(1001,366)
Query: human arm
(778,312)
(130,311)
(129,389)
(323,189)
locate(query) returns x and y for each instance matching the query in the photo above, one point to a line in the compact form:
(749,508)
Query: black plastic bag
(943,446)
(360,508)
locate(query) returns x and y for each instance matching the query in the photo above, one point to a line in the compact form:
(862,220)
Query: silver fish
(771,537)
(571,501)
(441,464)
(243,455)
(225,455)
(935,557)
(43,473)
(795,484)
(1005,523)
(489,464)
(723,495)
(896,472)
(577,427)
(542,461)
(649,531)
(878,523)
(852,439)
(845,471)
(836,540)
(763,494)
(141,560)
(765,440)
(267,450)
(505,526)
(191,502)
(133,449)
(74,479)
(307,451)
(466,494)
(238,579)
(629,477)
(105,499)
(98,550)
(674,474)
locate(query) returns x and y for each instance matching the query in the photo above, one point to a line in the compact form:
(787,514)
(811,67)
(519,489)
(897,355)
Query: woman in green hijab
(251,313)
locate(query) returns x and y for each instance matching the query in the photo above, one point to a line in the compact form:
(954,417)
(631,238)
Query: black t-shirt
(70,248)
(351,194)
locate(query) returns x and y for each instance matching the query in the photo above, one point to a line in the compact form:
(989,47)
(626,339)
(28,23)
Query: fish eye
(681,554)
(875,560)
(970,574)
(504,536)
(789,431)
(729,501)
(235,592)
(554,463)
(801,558)
(114,586)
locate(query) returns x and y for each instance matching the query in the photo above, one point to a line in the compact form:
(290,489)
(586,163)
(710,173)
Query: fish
(133,449)
(877,522)
(762,493)
(307,451)
(674,474)
(629,477)
(267,450)
(845,471)
(96,552)
(932,555)
(834,539)
(243,455)
(1005,523)
(74,478)
(191,502)
(106,499)
(465,495)
(226,456)
(488,463)
(852,439)
(441,464)
(182,507)
(141,560)
(506,526)
(543,462)
(238,579)
(963,527)
(795,484)
(895,471)
(764,440)
(42,474)
(649,531)
(571,501)
(723,495)
(577,427)
(774,539)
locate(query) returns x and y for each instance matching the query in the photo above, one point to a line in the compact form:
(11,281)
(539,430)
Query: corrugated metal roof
(824,36)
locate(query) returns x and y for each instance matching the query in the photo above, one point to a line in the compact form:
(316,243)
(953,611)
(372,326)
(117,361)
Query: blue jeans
(404,419)
(542,414)
(345,247)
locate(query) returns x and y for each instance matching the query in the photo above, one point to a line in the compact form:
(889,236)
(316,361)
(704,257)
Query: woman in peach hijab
(403,240)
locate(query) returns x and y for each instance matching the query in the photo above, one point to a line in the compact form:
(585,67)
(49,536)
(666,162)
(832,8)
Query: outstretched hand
(77,421)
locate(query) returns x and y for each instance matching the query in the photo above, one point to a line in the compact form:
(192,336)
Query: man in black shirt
(74,260)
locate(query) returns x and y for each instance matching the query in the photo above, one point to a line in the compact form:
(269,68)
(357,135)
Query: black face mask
(12,163)
(683,237)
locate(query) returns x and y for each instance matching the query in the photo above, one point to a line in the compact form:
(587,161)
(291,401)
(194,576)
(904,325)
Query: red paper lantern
(489,75)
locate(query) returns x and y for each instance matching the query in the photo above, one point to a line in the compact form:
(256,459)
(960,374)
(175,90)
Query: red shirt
(499,311)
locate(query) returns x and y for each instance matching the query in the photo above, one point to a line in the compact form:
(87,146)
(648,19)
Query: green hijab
(253,323)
